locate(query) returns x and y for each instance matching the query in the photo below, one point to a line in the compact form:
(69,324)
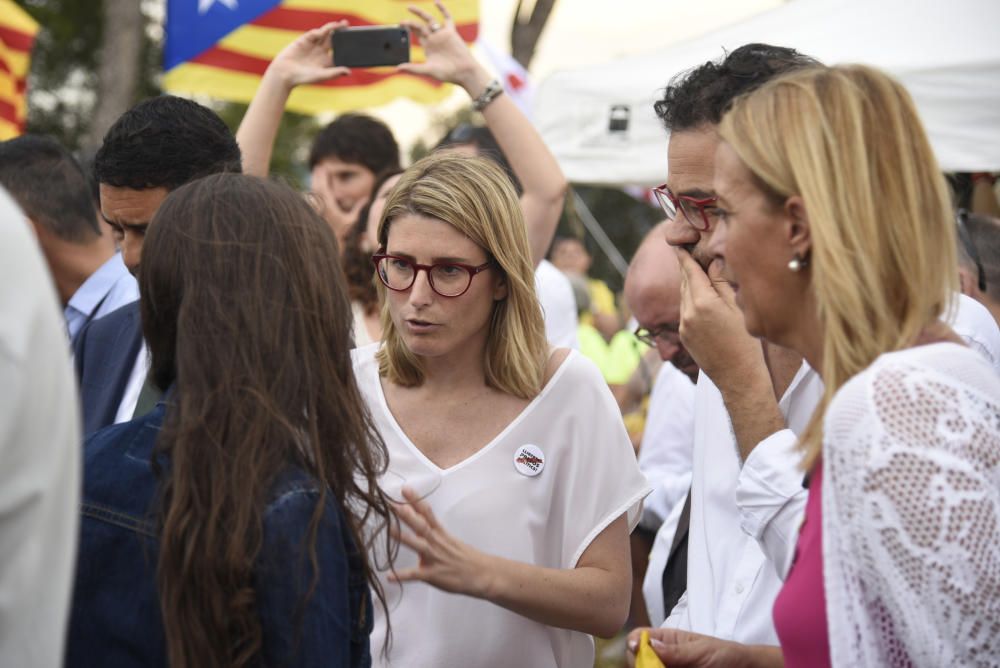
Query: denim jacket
(115,618)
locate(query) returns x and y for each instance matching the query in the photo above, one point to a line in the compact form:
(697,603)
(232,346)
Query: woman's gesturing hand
(444,561)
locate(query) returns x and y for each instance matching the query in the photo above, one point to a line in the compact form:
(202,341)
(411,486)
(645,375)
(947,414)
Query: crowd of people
(355,426)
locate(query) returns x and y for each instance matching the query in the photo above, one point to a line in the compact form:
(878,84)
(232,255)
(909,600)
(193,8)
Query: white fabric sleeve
(599,480)
(911,513)
(770,498)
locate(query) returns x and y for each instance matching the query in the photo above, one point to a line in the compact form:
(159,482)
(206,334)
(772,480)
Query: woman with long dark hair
(224,528)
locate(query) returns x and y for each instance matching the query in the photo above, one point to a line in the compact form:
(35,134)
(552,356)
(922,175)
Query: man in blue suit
(155,147)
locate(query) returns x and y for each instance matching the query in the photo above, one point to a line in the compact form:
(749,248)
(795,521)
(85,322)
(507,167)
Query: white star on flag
(205,5)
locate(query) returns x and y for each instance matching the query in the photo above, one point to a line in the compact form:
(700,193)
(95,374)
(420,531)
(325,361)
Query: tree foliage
(64,76)
(63,67)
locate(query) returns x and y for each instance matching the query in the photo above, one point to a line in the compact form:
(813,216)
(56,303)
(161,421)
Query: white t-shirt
(555,294)
(589,477)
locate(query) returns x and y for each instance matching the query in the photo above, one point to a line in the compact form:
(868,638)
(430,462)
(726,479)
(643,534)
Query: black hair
(486,146)
(703,94)
(357,139)
(165,141)
(50,186)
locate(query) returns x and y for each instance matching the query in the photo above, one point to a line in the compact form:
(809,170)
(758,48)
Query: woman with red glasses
(516,482)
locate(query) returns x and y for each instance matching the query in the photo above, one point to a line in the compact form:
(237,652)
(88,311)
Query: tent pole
(598,233)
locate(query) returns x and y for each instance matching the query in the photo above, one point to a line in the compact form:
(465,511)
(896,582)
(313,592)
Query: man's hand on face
(712,327)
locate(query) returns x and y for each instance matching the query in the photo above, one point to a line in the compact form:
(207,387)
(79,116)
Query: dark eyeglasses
(965,237)
(448,279)
(669,333)
(694,209)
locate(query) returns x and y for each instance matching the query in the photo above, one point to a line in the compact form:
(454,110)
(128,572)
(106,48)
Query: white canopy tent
(600,124)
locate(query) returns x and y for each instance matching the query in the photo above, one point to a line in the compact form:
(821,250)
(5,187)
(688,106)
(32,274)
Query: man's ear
(797,226)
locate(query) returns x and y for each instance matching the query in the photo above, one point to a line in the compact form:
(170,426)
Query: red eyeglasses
(448,279)
(696,211)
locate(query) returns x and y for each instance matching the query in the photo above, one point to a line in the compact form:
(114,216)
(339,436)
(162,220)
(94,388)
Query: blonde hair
(474,196)
(848,141)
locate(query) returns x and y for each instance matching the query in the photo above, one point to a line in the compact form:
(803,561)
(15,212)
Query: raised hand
(444,561)
(447,57)
(308,59)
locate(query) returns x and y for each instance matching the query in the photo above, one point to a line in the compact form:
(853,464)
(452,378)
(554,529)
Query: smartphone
(371,46)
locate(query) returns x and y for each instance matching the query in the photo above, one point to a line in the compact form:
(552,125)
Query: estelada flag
(17,35)
(222,47)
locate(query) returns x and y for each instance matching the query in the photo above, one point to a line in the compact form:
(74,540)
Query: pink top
(800,609)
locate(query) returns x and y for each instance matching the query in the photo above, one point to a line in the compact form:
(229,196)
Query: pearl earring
(797,263)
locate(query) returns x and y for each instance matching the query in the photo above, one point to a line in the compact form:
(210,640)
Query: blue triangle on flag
(190,32)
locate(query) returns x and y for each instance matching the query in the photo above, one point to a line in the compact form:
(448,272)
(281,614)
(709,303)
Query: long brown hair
(245,313)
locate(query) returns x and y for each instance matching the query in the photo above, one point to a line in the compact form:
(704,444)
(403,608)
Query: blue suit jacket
(104,354)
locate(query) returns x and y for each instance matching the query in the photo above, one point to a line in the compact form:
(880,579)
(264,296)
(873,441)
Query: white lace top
(911,512)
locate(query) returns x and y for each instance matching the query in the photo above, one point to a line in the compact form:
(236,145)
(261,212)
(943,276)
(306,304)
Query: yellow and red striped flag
(17,35)
(222,47)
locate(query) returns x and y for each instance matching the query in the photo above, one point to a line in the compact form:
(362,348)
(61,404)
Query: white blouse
(539,493)
(911,511)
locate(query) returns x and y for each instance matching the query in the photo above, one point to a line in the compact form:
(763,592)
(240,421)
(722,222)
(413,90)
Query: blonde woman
(836,233)
(518,481)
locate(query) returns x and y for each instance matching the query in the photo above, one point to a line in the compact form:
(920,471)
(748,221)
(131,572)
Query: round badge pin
(529,460)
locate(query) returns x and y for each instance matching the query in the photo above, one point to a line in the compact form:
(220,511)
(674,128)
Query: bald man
(653,294)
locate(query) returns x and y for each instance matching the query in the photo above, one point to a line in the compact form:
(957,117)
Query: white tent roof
(946,53)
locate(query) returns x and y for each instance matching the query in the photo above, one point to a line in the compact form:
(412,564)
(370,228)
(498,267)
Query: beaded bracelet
(492,92)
